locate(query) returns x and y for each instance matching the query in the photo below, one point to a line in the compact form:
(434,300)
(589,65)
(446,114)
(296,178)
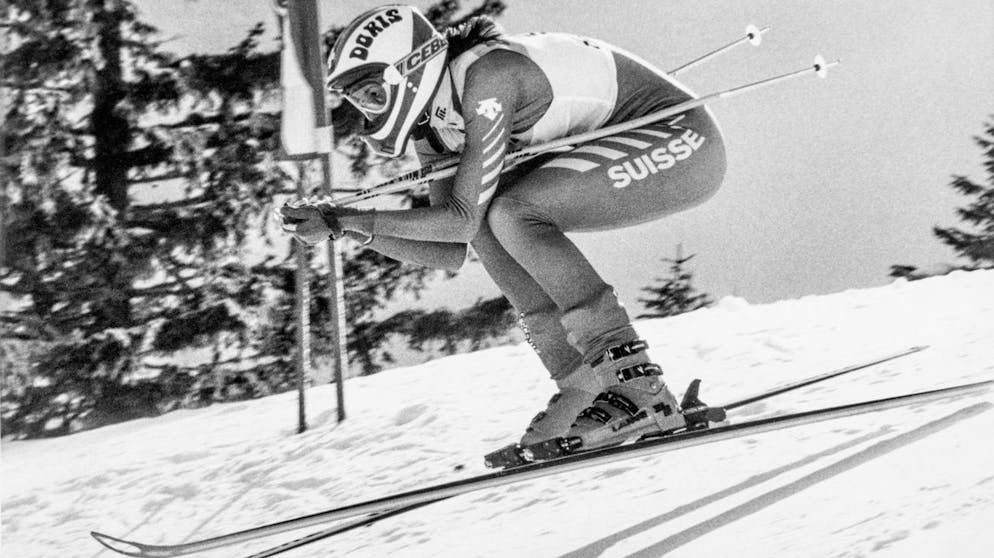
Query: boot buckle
(618,352)
(638,371)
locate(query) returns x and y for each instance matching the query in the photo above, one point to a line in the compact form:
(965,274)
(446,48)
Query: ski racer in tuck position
(477,92)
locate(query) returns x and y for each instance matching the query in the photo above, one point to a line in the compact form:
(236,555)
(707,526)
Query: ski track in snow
(911,482)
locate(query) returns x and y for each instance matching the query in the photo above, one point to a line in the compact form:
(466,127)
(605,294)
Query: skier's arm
(439,255)
(488,102)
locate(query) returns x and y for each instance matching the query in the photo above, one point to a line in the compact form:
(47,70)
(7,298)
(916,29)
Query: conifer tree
(373,280)
(99,274)
(132,182)
(977,245)
(976,242)
(674,294)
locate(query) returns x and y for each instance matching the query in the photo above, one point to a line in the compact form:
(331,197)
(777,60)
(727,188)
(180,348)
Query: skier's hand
(310,221)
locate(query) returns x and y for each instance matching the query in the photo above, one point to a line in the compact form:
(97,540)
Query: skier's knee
(505,218)
(511,219)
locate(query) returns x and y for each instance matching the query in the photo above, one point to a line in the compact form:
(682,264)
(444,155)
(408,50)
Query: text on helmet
(373,28)
(421,55)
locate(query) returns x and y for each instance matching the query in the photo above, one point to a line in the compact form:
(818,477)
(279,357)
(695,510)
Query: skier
(477,92)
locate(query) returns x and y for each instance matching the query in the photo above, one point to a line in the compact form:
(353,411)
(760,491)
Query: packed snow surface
(916,481)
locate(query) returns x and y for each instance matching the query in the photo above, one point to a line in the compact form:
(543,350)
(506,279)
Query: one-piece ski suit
(530,89)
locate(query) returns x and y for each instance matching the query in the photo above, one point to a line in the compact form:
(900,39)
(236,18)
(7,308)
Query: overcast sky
(829,181)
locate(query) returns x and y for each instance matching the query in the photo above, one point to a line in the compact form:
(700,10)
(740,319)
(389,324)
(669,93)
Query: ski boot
(577,391)
(635,403)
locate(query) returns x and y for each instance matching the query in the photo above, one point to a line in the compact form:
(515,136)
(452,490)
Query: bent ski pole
(820,68)
(447,167)
(753,36)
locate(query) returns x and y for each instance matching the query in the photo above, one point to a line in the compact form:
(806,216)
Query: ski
(393,505)
(698,415)
(854,409)
(338,529)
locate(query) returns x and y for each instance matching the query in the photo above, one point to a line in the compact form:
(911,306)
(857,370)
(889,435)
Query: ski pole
(820,68)
(447,167)
(753,36)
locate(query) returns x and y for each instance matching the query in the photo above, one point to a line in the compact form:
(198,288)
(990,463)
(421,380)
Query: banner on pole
(305,132)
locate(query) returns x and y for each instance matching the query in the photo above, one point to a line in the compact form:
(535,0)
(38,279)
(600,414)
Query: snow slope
(911,482)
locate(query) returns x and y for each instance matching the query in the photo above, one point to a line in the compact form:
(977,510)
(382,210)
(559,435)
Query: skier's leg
(538,314)
(627,179)
(541,320)
(540,317)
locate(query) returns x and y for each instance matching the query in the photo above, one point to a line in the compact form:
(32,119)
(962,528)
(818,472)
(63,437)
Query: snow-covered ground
(912,482)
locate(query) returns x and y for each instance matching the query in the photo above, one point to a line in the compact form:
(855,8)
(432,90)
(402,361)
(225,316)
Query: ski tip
(120,546)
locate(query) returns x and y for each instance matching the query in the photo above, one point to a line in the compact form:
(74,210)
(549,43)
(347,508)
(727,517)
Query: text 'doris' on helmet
(388,62)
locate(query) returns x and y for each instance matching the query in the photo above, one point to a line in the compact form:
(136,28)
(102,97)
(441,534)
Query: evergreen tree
(674,294)
(975,245)
(104,279)
(372,280)
(96,117)
(469,329)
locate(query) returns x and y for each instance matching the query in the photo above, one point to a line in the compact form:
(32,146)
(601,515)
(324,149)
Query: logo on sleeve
(489,108)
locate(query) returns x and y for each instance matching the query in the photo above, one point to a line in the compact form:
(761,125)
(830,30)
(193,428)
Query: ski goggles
(371,96)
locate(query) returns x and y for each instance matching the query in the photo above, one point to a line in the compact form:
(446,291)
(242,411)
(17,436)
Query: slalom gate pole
(447,167)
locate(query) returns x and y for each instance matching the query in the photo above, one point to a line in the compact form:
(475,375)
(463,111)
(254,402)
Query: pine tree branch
(64,290)
(151,155)
(200,367)
(36,85)
(196,120)
(199,201)
(164,290)
(160,178)
(176,269)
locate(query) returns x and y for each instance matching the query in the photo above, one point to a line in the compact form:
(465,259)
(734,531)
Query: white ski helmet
(388,63)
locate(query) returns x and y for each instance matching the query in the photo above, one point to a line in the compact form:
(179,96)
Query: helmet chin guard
(397,45)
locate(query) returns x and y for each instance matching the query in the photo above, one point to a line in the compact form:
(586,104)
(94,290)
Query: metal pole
(336,271)
(302,309)
(447,167)
(753,36)
(336,292)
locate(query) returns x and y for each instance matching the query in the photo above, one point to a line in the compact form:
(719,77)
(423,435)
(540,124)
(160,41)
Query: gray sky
(829,181)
